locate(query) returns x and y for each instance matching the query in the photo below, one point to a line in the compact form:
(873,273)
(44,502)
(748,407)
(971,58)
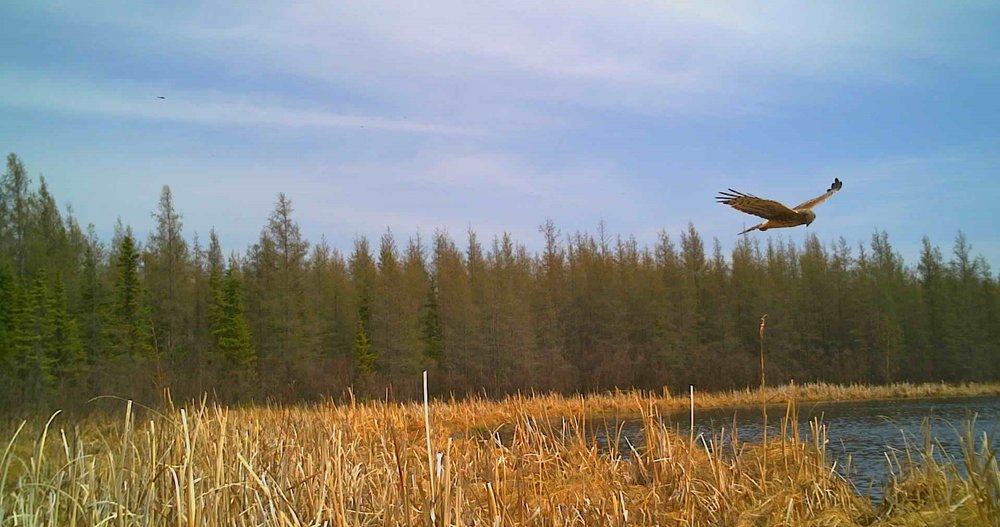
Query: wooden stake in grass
(690,450)
(430,451)
(763,397)
(763,328)
(691,440)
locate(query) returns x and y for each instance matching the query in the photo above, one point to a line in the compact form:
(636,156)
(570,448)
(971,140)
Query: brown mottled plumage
(776,214)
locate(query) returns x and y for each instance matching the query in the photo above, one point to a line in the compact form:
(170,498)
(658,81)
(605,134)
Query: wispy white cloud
(649,57)
(135,100)
(486,172)
(499,175)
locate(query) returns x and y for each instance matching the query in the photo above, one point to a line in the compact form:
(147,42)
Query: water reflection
(863,433)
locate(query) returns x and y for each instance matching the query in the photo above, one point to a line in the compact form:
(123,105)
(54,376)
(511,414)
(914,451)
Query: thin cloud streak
(709,56)
(142,101)
(646,58)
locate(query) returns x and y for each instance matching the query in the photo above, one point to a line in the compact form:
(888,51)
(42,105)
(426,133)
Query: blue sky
(427,115)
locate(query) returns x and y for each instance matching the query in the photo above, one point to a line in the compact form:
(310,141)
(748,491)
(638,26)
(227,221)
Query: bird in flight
(161,97)
(775,214)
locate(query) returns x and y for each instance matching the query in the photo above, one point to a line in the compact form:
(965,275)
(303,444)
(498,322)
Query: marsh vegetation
(391,463)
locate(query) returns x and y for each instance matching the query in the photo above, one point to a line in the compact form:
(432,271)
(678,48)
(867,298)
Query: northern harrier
(775,214)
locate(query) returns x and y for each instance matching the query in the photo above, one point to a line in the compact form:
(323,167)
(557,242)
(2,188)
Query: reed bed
(621,404)
(447,463)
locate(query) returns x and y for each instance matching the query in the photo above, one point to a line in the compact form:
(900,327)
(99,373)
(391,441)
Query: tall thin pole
(692,415)
(763,398)
(430,451)
(763,328)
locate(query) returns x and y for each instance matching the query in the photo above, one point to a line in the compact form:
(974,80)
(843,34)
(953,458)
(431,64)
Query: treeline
(289,320)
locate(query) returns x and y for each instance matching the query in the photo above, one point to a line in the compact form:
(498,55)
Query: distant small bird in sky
(161,97)
(777,215)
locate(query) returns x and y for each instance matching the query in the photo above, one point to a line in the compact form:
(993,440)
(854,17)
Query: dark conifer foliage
(288,320)
(62,339)
(430,325)
(362,272)
(129,327)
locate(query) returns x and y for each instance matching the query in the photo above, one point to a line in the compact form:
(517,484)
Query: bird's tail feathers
(755,227)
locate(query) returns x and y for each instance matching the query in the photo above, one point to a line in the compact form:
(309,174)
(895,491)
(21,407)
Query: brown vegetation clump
(523,461)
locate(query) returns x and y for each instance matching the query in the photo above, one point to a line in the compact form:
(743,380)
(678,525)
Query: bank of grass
(377,463)
(621,404)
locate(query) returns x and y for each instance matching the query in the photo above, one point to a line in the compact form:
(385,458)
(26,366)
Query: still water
(864,431)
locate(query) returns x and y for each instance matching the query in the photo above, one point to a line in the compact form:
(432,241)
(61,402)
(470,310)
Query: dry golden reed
(526,460)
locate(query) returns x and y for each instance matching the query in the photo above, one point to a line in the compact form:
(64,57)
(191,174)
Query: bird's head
(810,217)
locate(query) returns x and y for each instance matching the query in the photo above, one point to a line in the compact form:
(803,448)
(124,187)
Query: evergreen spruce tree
(37,364)
(23,340)
(415,284)
(65,346)
(258,274)
(92,313)
(8,303)
(129,320)
(8,298)
(233,333)
(384,304)
(364,355)
(76,244)
(456,312)
(937,314)
(199,331)
(430,323)
(362,273)
(216,286)
(476,355)
(46,242)
(215,363)
(15,201)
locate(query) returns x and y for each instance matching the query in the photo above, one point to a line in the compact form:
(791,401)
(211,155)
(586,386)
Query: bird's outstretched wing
(764,208)
(820,199)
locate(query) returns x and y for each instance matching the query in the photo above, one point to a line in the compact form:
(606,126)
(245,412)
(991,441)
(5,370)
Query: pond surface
(862,431)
